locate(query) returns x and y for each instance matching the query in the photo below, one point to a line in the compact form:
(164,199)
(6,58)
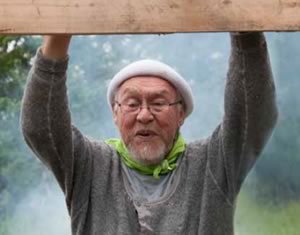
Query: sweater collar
(166,166)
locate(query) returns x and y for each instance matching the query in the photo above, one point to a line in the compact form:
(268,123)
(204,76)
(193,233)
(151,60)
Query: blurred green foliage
(17,173)
(277,171)
(94,60)
(253,218)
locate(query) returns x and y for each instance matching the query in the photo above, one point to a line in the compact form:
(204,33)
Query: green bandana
(167,165)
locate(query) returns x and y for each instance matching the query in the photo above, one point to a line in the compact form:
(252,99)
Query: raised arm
(45,117)
(56,47)
(250,112)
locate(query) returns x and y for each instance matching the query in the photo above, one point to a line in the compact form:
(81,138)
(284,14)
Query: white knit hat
(152,68)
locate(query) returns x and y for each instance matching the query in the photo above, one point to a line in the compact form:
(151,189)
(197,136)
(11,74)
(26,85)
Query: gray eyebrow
(161,92)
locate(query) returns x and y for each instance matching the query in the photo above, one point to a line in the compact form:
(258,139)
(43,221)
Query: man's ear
(181,121)
(181,117)
(115,114)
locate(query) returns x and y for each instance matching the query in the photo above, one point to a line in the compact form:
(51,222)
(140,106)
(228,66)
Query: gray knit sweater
(202,196)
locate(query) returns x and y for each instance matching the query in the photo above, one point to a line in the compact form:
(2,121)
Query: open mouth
(145,133)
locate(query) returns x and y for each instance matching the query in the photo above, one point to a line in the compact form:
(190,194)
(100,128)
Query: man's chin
(148,153)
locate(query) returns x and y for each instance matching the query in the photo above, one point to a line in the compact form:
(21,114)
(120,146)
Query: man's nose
(145,115)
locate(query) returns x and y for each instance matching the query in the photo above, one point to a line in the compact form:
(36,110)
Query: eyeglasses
(154,108)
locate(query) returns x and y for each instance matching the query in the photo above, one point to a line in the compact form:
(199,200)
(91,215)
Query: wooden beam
(146,16)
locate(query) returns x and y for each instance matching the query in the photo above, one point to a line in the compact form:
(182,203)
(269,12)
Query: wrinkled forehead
(147,85)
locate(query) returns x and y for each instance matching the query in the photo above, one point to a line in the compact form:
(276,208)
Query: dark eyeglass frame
(151,110)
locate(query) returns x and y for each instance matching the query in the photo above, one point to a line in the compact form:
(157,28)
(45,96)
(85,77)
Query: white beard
(148,154)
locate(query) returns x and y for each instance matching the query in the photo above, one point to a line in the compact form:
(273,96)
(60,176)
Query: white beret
(152,68)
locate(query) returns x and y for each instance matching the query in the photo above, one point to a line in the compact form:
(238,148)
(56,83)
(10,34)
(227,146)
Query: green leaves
(15,54)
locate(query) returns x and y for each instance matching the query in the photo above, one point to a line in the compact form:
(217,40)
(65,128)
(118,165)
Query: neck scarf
(166,166)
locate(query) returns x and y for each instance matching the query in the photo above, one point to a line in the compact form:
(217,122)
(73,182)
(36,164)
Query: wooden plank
(146,16)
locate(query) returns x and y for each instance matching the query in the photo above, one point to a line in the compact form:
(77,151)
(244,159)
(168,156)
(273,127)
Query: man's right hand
(56,46)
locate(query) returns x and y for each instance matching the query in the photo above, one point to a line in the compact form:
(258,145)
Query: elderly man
(150,181)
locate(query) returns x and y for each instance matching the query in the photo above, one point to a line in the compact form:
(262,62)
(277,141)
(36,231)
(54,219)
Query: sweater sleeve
(250,113)
(45,119)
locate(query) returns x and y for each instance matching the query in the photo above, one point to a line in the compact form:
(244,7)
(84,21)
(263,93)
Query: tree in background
(202,59)
(16,168)
(278,170)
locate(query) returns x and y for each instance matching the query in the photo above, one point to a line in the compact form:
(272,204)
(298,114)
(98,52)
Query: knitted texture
(201,198)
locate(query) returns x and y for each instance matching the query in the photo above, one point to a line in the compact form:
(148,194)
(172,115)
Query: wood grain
(146,16)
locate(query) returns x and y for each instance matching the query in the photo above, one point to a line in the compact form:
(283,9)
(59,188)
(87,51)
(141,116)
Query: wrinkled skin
(148,137)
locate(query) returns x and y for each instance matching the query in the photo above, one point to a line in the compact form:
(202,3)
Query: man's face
(147,135)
